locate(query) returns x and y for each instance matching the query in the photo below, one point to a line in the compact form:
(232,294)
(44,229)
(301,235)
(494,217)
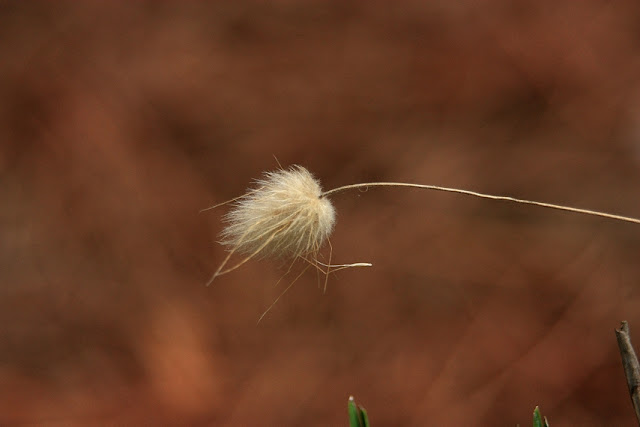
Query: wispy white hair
(283,216)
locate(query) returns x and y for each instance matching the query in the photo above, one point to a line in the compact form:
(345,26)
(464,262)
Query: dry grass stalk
(287,215)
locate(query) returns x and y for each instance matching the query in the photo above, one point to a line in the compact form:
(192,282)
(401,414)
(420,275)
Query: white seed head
(283,216)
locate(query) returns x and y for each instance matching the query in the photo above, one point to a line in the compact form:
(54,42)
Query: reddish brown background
(119,122)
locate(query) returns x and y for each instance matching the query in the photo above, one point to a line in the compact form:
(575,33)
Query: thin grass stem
(484,196)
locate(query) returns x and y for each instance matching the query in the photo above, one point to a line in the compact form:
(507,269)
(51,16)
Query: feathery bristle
(282,216)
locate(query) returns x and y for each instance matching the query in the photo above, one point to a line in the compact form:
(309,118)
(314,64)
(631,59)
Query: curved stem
(484,196)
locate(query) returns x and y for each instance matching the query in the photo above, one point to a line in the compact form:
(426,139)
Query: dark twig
(630,365)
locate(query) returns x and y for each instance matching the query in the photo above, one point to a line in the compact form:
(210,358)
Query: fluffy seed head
(282,216)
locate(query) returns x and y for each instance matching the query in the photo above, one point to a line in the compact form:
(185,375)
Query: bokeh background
(120,121)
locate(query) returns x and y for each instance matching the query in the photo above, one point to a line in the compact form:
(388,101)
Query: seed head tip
(283,215)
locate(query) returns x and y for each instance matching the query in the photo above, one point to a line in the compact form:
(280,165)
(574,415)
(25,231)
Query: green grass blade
(357,415)
(354,418)
(538,419)
(364,418)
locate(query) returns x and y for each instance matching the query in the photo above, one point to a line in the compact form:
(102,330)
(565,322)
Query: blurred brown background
(119,122)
